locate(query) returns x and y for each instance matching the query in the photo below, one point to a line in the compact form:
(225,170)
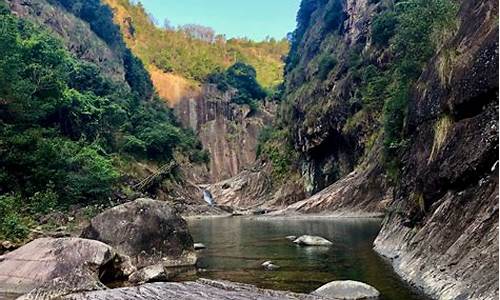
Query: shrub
(12,225)
(326,65)
(383,28)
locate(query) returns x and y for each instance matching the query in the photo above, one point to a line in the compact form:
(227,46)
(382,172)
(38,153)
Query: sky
(254,19)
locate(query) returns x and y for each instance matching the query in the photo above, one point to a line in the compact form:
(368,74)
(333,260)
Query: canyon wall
(441,231)
(441,205)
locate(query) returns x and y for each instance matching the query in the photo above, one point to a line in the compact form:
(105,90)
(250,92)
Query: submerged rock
(309,240)
(146,230)
(46,259)
(270,266)
(347,290)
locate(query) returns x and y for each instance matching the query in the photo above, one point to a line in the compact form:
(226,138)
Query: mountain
(219,88)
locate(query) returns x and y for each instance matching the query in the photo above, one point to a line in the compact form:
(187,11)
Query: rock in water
(270,266)
(46,259)
(347,290)
(199,246)
(146,230)
(309,240)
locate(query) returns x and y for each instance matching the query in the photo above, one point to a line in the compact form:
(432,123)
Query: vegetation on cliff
(65,127)
(361,86)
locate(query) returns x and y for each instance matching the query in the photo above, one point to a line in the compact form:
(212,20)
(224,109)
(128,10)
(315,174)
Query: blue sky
(254,19)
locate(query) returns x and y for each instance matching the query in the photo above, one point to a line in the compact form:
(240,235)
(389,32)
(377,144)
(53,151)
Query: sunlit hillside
(194,51)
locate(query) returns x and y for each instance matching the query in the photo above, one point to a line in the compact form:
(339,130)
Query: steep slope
(80,124)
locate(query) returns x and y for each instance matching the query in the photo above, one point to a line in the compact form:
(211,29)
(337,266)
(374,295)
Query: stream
(236,248)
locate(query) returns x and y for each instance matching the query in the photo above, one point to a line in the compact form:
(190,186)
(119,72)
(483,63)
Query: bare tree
(200,32)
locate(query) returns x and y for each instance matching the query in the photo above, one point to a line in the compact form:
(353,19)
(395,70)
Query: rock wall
(228,131)
(442,228)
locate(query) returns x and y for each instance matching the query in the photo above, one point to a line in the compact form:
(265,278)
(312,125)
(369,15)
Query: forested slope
(78,112)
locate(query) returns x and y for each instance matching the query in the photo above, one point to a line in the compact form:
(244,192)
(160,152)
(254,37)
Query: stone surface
(45,259)
(309,240)
(348,290)
(201,289)
(78,281)
(148,274)
(146,230)
(227,130)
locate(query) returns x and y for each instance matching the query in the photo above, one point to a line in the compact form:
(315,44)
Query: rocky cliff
(442,227)
(438,181)
(228,131)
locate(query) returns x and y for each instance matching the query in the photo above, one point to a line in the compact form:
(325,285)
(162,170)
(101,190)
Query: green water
(236,248)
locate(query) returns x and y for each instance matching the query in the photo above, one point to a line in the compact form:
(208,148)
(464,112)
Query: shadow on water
(236,248)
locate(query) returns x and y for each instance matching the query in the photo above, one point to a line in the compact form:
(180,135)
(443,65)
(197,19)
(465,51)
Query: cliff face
(229,132)
(442,228)
(321,86)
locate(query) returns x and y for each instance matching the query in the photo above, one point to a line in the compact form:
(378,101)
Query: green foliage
(62,123)
(418,21)
(100,18)
(274,144)
(383,28)
(12,225)
(243,79)
(326,65)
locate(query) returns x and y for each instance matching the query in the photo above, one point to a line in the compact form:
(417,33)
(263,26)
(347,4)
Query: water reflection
(236,248)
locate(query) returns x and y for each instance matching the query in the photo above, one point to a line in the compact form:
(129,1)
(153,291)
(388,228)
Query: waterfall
(207,196)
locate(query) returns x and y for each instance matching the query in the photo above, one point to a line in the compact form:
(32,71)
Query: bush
(43,202)
(383,28)
(326,65)
(12,225)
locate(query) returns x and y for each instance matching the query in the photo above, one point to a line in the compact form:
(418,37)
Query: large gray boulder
(46,259)
(148,231)
(201,289)
(347,290)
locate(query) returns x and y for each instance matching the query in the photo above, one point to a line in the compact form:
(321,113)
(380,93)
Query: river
(236,248)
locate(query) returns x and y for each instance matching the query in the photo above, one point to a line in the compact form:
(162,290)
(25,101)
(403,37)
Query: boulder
(200,289)
(46,259)
(291,238)
(347,290)
(309,240)
(146,230)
